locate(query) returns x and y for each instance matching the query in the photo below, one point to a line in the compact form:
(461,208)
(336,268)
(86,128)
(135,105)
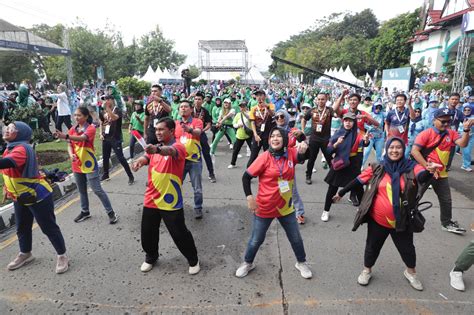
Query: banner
(398,78)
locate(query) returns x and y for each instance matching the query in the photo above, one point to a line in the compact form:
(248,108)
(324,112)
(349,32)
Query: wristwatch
(67,137)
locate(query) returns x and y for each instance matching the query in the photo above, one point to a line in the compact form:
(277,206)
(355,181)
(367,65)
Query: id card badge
(262,128)
(284,186)
(155,121)
(107,129)
(183,139)
(319,128)
(401,129)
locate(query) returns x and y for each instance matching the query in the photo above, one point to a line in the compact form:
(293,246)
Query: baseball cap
(442,112)
(349,115)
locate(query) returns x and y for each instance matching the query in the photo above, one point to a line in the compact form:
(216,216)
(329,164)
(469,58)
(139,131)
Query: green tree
(157,51)
(133,87)
(390,49)
(15,67)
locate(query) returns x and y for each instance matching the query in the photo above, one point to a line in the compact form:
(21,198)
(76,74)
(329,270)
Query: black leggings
(376,236)
(332,190)
(255,149)
(237,146)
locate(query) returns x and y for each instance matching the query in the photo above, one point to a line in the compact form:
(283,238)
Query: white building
(437,41)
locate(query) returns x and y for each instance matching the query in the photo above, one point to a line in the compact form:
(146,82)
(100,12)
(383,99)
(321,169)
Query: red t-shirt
(382,206)
(428,138)
(85,160)
(165,178)
(360,121)
(16,184)
(272,201)
(191,143)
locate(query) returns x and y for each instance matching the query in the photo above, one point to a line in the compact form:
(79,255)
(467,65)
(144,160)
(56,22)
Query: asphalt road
(105,277)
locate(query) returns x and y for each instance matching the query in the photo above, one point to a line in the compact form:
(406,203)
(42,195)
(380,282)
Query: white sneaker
(304,270)
(231,146)
(145,267)
(325,216)
(239,156)
(364,277)
(314,170)
(248,154)
(414,282)
(244,269)
(456,280)
(231,166)
(194,269)
(467,169)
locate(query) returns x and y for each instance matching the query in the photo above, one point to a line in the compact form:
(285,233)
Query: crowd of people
(415,136)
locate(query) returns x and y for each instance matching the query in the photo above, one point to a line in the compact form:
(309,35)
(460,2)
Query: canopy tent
(150,76)
(254,77)
(341,74)
(14,38)
(215,76)
(167,77)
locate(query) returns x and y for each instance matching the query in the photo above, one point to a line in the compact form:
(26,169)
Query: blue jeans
(377,144)
(43,212)
(297,202)
(94,182)
(259,230)
(195,173)
(466,152)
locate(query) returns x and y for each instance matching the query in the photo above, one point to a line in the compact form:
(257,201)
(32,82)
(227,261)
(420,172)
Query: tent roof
(14,38)
(222,45)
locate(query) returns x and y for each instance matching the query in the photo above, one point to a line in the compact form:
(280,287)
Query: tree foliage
(343,39)
(133,87)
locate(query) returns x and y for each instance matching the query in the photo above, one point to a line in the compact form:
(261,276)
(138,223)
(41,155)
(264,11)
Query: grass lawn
(62,146)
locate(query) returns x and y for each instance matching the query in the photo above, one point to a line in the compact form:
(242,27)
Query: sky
(261,24)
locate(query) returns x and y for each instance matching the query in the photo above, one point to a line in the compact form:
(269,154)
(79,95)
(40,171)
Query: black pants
(174,221)
(116,145)
(255,149)
(206,153)
(376,236)
(237,146)
(332,190)
(151,136)
(63,119)
(314,147)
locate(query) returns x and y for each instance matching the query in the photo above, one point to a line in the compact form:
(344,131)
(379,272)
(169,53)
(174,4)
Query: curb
(60,190)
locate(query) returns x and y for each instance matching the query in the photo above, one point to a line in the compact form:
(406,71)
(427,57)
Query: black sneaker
(355,202)
(308,180)
(453,227)
(212,178)
(82,216)
(105,177)
(113,218)
(131,180)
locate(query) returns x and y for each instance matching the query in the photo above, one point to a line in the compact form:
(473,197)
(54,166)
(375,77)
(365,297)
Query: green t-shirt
(175,111)
(228,121)
(136,121)
(215,114)
(209,106)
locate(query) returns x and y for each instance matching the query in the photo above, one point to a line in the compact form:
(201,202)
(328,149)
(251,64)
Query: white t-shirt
(62,104)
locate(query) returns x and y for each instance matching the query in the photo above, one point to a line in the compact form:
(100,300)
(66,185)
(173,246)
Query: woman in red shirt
(275,169)
(31,195)
(384,214)
(84,163)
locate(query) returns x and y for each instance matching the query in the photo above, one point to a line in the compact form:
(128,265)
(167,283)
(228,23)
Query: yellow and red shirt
(360,121)
(85,160)
(17,185)
(382,205)
(272,203)
(430,137)
(191,142)
(165,178)
(262,116)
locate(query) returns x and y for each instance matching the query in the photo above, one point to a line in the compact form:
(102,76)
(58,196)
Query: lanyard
(321,115)
(398,117)
(277,164)
(260,114)
(197,114)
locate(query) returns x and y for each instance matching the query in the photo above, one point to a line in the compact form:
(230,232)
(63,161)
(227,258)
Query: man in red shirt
(354,100)
(434,145)
(188,132)
(164,197)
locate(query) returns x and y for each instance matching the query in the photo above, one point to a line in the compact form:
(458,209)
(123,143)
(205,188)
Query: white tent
(150,76)
(254,77)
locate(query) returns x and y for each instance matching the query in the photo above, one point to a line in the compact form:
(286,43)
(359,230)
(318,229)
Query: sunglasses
(445,122)
(280,117)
